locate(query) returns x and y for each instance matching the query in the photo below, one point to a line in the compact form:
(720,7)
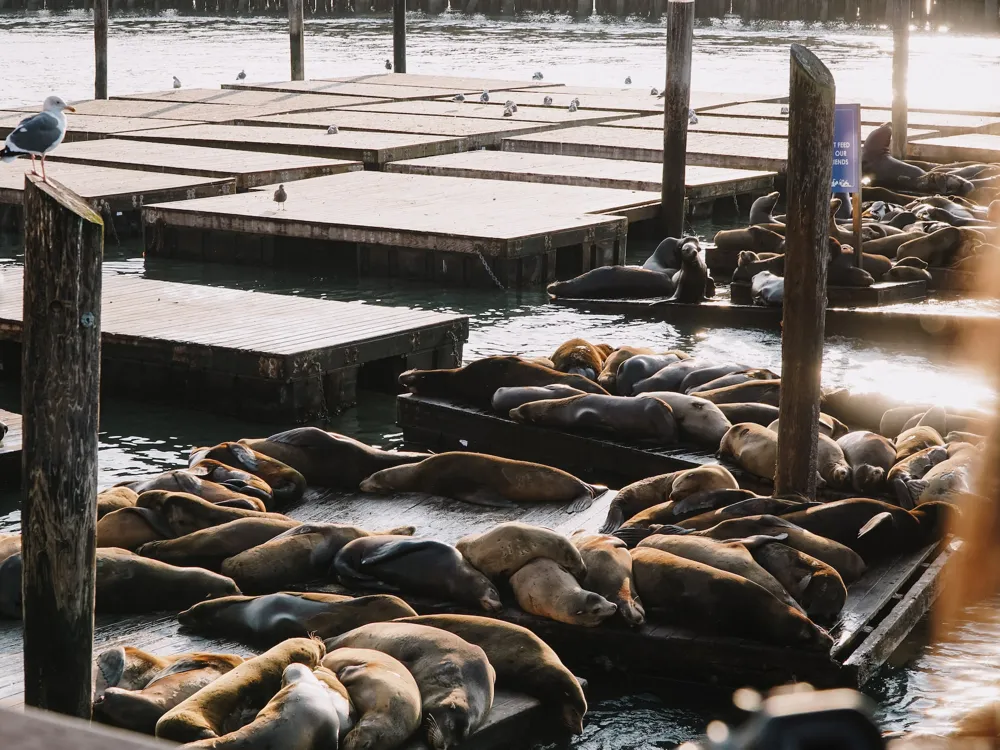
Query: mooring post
(60,378)
(100,49)
(811,100)
(399,36)
(676,106)
(296,38)
(900,64)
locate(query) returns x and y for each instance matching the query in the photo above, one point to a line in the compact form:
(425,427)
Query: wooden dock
(249,169)
(10,450)
(634,100)
(358,90)
(442,229)
(91,127)
(474,110)
(444,82)
(197,112)
(263,102)
(636,144)
(876,295)
(260,356)
(973,147)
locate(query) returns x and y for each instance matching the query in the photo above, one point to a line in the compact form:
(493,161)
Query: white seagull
(484,97)
(242,75)
(628,80)
(388,65)
(177,82)
(537,76)
(39,134)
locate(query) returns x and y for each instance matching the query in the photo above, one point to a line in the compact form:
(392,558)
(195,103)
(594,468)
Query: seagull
(508,111)
(280,196)
(661,94)
(572,106)
(547,101)
(628,80)
(653,92)
(692,117)
(484,97)
(458,98)
(576,100)
(332,130)
(39,134)
(537,76)
(177,82)
(388,65)
(784,110)
(242,76)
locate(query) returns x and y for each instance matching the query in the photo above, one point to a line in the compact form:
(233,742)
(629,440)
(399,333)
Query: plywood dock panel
(268,102)
(444,81)
(635,144)
(449,108)
(773,128)
(10,448)
(978,147)
(621,100)
(352,89)
(90,127)
(373,149)
(249,168)
(157,110)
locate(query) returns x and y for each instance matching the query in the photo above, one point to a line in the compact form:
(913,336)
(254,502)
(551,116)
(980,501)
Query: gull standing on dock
(537,76)
(628,80)
(484,97)
(280,196)
(242,76)
(458,98)
(39,134)
(388,65)
(177,82)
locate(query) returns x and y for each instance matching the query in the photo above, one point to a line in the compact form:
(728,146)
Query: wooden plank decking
(10,450)
(196,112)
(469,110)
(627,100)
(373,149)
(249,169)
(458,83)
(978,147)
(703,183)
(266,102)
(264,356)
(359,91)
(90,127)
(636,144)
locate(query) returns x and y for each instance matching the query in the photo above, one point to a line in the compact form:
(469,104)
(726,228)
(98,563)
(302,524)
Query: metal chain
(106,209)
(490,271)
(455,356)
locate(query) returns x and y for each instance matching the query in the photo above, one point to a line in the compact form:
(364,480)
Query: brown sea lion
(816,586)
(416,567)
(128,668)
(750,264)
(216,709)
(893,419)
(751,447)
(523,662)
(753,506)
(608,377)
(699,420)
(710,373)
(888,246)
(270,619)
(545,588)
(384,694)
(477,381)
(668,378)
(762,414)
(949,481)
(693,281)
(733,378)
(486,480)
(707,599)
(506,399)
(131,527)
(831,463)
(757,239)
(182,513)
(115,498)
(911,469)
(609,573)
(618,417)
(871,457)
(620,282)
(328,459)
(455,677)
(676,512)
(183,480)
(208,548)
(235,479)
(915,440)
(287,485)
(829,426)
(761,391)
(10,544)
(579,357)
(507,547)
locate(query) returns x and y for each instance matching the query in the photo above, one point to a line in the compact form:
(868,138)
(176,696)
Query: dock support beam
(100,49)
(399,36)
(60,378)
(811,101)
(676,106)
(900,64)
(296,38)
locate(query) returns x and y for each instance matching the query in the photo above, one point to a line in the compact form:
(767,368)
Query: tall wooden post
(399,36)
(991,11)
(296,38)
(676,106)
(900,64)
(811,100)
(100,49)
(60,379)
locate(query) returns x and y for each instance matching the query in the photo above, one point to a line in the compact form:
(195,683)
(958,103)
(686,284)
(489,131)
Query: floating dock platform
(10,450)
(972,147)
(728,125)
(477,111)
(92,127)
(260,356)
(882,293)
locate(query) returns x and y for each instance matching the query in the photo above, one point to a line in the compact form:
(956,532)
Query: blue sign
(847,148)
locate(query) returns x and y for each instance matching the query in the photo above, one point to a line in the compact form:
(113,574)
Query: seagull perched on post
(39,134)
(177,82)
(388,65)
(280,196)
(242,75)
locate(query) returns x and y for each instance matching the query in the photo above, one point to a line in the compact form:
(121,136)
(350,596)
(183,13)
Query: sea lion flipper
(178,667)
(758,540)
(156,523)
(485,496)
(581,503)
(877,520)
(110,670)
(914,489)
(616,517)
(393,550)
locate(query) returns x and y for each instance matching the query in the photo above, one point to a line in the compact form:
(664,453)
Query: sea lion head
(448,725)
(387,480)
(295,673)
(689,250)
(10,587)
(490,599)
(877,143)
(868,478)
(411,380)
(594,610)
(841,475)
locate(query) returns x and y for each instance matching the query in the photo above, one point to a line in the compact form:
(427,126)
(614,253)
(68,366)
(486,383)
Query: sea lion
(622,282)
(761,391)
(767,289)
(887,247)
(579,357)
(455,677)
(733,378)
(183,480)
(666,258)
(907,270)
(750,265)
(955,436)
(418,567)
(756,238)
(693,279)
(618,417)
(140,709)
(761,414)
(940,247)
(477,381)
(235,479)
(328,459)
(215,709)
(668,378)
(310,711)
(287,485)
(936,418)
(878,163)
(131,527)
(384,694)
(871,457)
(115,498)
(711,600)
(208,548)
(506,399)
(608,377)
(911,469)
(181,513)
(127,583)
(816,586)
(301,554)
(640,367)
(831,463)
(273,618)
(752,506)
(10,544)
(829,426)
(523,661)
(949,480)
(729,556)
(708,373)
(609,573)
(672,512)
(751,447)
(128,668)
(698,419)
(486,480)
(545,588)
(915,440)
(760,210)
(507,547)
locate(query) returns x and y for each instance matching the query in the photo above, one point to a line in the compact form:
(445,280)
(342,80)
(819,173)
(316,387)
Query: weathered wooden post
(296,38)
(900,64)
(991,11)
(399,35)
(60,378)
(676,106)
(811,102)
(100,49)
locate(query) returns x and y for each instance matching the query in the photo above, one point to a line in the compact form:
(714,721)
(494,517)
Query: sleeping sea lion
(751,447)
(767,289)
(831,463)
(579,357)
(183,480)
(328,459)
(708,373)
(871,457)
(417,567)
(816,586)
(949,481)
(756,238)
(749,265)
(507,547)
(672,512)
(911,469)
(640,367)
(182,513)
(618,417)
(486,480)
(131,527)
(235,479)
(698,419)
(668,378)
(733,378)
(608,377)
(287,485)
(761,414)
(915,440)
(114,498)
(545,588)
(620,282)
(609,573)
(761,391)
(506,399)
(208,548)
(752,506)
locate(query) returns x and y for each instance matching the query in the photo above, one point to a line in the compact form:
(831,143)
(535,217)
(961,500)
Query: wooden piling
(900,64)
(676,106)
(991,11)
(61,361)
(399,35)
(100,49)
(296,38)
(812,97)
